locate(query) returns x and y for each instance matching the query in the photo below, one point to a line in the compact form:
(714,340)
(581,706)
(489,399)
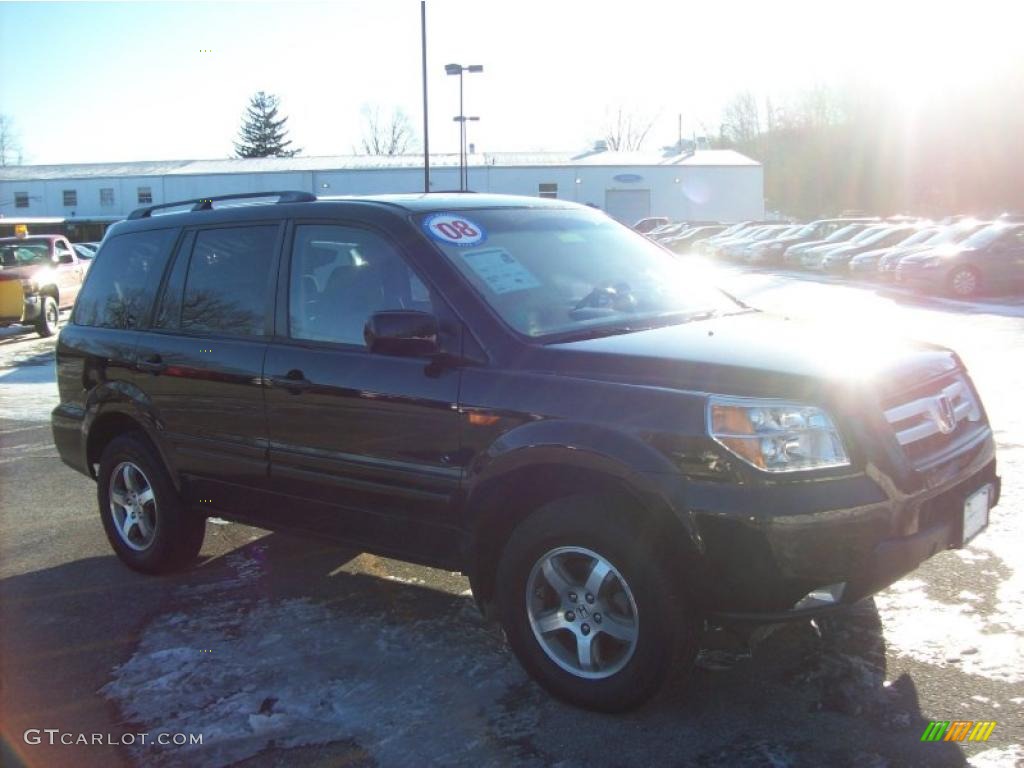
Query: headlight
(776,436)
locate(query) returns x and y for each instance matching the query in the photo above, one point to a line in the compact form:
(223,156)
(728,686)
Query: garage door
(628,205)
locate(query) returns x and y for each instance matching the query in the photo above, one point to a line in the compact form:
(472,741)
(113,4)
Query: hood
(752,354)
(946,251)
(23,273)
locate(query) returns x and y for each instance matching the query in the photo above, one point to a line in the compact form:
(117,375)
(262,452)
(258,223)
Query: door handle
(152,364)
(294,381)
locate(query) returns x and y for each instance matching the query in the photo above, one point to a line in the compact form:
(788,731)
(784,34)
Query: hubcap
(964,282)
(51,315)
(133,506)
(582,612)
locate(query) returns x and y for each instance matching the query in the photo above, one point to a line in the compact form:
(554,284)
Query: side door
(362,446)
(201,363)
(69,273)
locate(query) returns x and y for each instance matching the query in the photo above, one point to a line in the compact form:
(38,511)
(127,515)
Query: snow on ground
(323,674)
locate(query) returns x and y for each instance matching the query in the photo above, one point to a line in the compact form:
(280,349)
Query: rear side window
(229,281)
(123,279)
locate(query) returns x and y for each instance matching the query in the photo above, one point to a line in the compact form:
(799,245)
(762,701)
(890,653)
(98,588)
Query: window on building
(107,196)
(229,281)
(547,190)
(341,276)
(123,279)
(70,197)
(145,195)
(21,199)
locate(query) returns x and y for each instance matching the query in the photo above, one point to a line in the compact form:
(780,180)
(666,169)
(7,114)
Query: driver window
(342,275)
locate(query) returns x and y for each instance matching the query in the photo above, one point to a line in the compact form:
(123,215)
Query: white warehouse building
(719,185)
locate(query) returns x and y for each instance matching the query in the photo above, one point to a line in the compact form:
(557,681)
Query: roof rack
(206,203)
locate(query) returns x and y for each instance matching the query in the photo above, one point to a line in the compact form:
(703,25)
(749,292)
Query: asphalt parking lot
(284,652)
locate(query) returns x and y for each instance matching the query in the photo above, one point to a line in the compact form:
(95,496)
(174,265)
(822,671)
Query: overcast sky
(92,82)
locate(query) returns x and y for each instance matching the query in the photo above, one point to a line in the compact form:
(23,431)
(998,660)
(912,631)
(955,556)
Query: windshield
(846,232)
(24,254)
(565,271)
(987,236)
(954,234)
(921,236)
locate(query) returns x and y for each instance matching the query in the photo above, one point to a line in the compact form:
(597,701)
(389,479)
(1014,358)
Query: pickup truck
(39,276)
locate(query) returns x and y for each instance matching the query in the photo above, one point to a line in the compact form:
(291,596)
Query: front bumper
(763,548)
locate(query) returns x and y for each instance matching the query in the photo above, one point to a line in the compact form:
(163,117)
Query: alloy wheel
(133,506)
(582,612)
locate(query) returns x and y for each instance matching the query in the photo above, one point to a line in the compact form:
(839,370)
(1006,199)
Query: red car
(39,276)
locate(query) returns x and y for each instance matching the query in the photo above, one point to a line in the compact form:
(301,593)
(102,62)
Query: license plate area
(976,509)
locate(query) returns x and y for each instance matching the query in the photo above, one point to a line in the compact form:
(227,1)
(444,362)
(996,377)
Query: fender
(122,398)
(531,460)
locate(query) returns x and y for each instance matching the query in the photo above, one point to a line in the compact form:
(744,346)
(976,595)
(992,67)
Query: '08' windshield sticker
(454,230)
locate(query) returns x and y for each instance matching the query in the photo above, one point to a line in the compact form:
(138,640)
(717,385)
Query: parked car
(39,276)
(990,259)
(950,235)
(771,251)
(520,389)
(837,260)
(793,255)
(682,243)
(738,249)
(811,258)
(704,247)
(651,222)
(762,231)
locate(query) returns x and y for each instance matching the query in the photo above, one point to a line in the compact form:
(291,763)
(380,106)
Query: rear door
(363,445)
(201,362)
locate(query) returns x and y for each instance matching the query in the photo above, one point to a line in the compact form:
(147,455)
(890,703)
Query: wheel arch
(502,500)
(103,426)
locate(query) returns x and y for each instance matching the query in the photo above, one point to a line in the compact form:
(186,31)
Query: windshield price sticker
(500,271)
(454,230)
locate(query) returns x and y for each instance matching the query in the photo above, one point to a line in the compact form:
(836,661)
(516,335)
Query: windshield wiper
(599,331)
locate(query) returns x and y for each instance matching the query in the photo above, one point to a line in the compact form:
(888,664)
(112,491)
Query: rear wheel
(49,317)
(964,282)
(146,523)
(588,606)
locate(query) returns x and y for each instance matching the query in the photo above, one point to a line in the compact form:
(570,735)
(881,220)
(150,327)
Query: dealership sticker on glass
(500,271)
(454,230)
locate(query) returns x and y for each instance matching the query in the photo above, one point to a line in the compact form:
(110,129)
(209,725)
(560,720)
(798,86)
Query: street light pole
(458,69)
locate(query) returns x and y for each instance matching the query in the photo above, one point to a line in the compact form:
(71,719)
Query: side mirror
(66,258)
(402,333)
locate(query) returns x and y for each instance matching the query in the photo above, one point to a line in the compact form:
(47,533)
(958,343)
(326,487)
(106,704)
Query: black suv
(521,389)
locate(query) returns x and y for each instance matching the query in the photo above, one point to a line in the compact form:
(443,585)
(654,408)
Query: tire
(964,282)
(165,536)
(638,599)
(49,317)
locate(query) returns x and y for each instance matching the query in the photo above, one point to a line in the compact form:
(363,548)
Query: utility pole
(426,123)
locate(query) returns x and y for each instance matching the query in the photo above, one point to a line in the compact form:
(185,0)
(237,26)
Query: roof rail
(206,203)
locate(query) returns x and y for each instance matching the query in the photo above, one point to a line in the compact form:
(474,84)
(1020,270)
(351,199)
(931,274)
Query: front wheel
(589,607)
(49,317)
(964,282)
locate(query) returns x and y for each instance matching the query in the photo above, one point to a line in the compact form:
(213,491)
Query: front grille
(933,420)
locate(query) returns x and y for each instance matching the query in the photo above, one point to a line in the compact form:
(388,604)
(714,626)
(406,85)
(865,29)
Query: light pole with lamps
(458,69)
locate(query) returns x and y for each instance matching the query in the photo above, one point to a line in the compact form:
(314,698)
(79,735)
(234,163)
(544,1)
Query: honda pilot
(615,453)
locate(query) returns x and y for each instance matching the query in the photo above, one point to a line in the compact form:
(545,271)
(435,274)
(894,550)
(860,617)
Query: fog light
(822,596)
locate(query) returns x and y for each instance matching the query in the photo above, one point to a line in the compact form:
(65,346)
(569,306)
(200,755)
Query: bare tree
(386,136)
(626,132)
(741,120)
(10,146)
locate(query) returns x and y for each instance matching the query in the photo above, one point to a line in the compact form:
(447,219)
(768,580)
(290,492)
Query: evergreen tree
(262,133)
